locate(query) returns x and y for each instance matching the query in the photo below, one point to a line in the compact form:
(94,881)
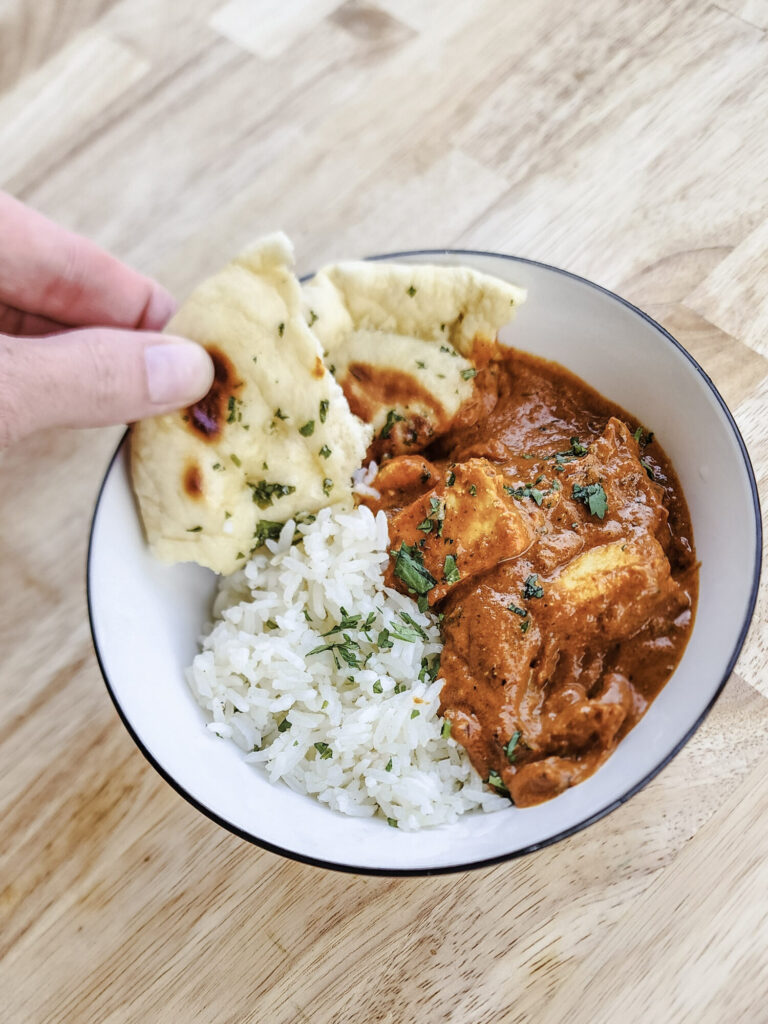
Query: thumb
(95,377)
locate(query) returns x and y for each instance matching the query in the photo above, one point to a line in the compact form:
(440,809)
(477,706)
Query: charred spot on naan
(415,414)
(207,417)
(192,481)
(407,415)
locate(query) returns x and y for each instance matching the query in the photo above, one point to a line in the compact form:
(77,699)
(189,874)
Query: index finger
(47,270)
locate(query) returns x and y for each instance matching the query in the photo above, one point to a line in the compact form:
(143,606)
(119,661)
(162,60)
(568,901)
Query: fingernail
(178,373)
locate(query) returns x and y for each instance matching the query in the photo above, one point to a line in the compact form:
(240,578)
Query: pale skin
(80,341)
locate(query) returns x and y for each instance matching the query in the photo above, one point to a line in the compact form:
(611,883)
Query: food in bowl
(556,541)
(533,528)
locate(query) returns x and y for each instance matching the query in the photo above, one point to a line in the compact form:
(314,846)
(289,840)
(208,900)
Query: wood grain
(623,140)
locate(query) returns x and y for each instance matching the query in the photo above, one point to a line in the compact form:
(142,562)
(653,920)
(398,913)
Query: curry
(550,533)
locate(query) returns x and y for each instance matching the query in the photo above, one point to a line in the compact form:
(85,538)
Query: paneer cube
(610,590)
(464,526)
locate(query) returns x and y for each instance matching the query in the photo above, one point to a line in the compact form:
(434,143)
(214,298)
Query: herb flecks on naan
(410,345)
(272,440)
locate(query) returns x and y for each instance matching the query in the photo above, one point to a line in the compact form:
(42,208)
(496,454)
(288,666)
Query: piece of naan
(409,343)
(273,439)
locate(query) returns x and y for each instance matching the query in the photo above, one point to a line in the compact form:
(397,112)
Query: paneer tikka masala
(549,531)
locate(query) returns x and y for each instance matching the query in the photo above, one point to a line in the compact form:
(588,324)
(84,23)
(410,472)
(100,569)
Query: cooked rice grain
(356,725)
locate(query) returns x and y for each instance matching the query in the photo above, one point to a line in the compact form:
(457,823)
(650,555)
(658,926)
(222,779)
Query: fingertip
(179,371)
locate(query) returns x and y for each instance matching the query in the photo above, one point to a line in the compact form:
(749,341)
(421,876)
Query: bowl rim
(566,832)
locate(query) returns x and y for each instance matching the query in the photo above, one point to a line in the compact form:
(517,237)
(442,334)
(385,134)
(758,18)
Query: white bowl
(146,617)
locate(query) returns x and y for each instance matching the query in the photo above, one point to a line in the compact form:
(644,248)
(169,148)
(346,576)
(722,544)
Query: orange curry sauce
(554,539)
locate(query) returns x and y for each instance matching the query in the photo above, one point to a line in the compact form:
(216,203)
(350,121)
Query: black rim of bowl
(565,833)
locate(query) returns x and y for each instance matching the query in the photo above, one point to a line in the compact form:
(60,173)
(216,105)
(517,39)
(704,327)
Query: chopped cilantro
(509,750)
(194,529)
(312,317)
(323,750)
(451,572)
(425,525)
(325,451)
(384,642)
(266,530)
(473,490)
(233,410)
(648,468)
(469,373)
(437,509)
(308,429)
(421,365)
(400,688)
(532,588)
(280,414)
(494,779)
(345,648)
(517,610)
(414,713)
(264,493)
(284,726)
(409,567)
(593,496)
(327,485)
(525,491)
(524,625)
(388,767)
(347,622)
(412,622)
(377,687)
(392,822)
(365,626)
(218,466)
(445,731)
(235,459)
(411,291)
(323,410)
(451,479)
(410,636)
(429,669)
(576,451)
(422,602)
(393,417)
(281,330)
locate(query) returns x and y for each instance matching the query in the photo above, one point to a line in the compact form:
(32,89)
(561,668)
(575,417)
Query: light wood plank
(623,140)
(731,295)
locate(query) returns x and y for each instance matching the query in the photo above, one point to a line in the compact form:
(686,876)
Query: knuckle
(102,369)
(69,285)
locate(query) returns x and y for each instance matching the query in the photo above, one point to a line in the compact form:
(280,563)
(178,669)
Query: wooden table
(623,140)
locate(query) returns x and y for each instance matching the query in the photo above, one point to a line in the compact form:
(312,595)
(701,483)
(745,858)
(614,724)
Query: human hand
(116,367)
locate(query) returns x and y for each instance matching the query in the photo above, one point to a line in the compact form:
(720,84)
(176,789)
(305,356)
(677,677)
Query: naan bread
(273,439)
(406,342)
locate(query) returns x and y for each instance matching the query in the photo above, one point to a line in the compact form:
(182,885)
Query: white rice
(364,739)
